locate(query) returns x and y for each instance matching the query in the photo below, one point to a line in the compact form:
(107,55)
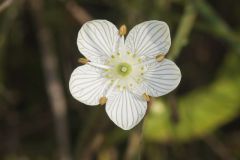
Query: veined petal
(149,38)
(97,39)
(159,79)
(121,45)
(126,109)
(87,84)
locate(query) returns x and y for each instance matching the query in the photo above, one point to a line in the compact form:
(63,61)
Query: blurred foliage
(201,112)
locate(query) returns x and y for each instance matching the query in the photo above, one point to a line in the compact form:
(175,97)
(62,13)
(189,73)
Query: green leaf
(201,111)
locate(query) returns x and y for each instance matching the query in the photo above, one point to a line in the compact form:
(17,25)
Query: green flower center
(124,69)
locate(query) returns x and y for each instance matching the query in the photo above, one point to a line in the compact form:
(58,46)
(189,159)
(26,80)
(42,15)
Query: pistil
(124,69)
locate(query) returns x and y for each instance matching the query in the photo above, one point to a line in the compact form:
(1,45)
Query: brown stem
(135,143)
(95,144)
(53,83)
(4,5)
(173,106)
(218,148)
(78,12)
(133,150)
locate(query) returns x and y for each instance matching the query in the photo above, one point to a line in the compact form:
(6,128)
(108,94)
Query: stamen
(102,100)
(83,60)
(146,97)
(122,30)
(86,61)
(99,65)
(160,57)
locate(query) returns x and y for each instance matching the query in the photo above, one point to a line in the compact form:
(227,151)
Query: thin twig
(78,12)
(53,83)
(81,16)
(133,150)
(93,147)
(5,5)
(218,148)
(136,143)
(174,110)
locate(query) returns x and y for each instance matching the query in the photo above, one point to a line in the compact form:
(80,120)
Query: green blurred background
(39,119)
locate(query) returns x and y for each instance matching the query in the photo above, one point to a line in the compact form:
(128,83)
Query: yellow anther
(146,97)
(102,100)
(123,30)
(160,57)
(83,60)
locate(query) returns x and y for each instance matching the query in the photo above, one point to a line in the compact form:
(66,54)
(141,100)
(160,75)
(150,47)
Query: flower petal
(97,39)
(150,38)
(126,109)
(87,85)
(121,48)
(159,79)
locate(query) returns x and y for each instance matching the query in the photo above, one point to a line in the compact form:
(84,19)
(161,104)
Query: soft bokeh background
(39,120)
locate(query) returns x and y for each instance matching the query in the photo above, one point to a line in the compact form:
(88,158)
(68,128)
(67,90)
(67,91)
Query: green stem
(185,27)
(215,25)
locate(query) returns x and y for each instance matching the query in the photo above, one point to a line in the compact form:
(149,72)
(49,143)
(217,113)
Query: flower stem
(135,143)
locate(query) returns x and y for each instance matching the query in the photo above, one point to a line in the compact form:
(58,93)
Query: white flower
(123,73)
